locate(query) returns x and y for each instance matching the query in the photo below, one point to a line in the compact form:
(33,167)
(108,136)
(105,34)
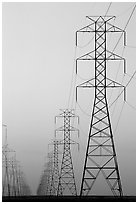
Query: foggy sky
(38,56)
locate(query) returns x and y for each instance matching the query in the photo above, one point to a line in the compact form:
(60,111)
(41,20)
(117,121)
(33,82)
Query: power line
(125,27)
(72,77)
(130,105)
(118,93)
(84,112)
(86,43)
(122,13)
(130,17)
(119,116)
(129,75)
(108,8)
(118,72)
(123,90)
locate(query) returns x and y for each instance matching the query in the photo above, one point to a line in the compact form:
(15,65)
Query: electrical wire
(130,76)
(125,28)
(122,53)
(73,93)
(122,13)
(121,83)
(123,90)
(80,77)
(84,112)
(118,94)
(118,71)
(70,92)
(130,105)
(108,8)
(130,17)
(119,117)
(86,43)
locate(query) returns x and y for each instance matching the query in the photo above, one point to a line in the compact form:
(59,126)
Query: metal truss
(43,185)
(67,185)
(13,182)
(6,164)
(100,154)
(50,177)
(55,171)
(49,186)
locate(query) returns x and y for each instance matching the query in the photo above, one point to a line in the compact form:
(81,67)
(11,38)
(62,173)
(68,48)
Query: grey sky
(38,58)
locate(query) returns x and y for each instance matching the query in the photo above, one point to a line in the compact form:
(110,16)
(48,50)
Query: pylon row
(13,178)
(58,177)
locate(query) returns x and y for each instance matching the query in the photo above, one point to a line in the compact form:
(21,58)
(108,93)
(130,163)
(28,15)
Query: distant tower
(5,164)
(100,153)
(50,174)
(67,185)
(6,191)
(43,187)
(13,183)
(55,176)
(55,167)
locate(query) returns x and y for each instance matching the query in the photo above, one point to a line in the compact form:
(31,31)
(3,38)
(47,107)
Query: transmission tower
(8,176)
(49,180)
(46,181)
(6,172)
(43,187)
(15,176)
(5,161)
(50,174)
(13,183)
(100,153)
(55,172)
(67,185)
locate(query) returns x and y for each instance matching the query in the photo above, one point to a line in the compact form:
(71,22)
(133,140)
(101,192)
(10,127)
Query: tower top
(100,18)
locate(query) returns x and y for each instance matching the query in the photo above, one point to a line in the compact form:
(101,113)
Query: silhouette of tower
(55,176)
(6,191)
(43,188)
(67,185)
(50,173)
(55,167)
(7,166)
(101,156)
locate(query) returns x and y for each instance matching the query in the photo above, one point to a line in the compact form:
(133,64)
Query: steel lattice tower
(6,179)
(49,180)
(55,171)
(44,183)
(100,152)
(56,167)
(8,170)
(50,173)
(13,183)
(42,188)
(67,185)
